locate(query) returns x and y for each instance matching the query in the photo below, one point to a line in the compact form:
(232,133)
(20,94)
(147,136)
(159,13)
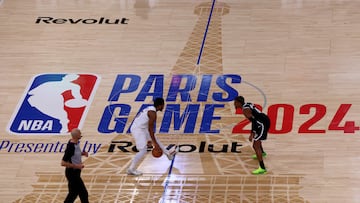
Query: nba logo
(54,104)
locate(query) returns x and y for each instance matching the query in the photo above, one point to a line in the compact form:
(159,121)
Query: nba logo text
(54,104)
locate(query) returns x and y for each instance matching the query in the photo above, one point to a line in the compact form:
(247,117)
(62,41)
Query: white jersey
(142,119)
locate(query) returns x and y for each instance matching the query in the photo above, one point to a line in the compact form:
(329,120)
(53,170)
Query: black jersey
(258,115)
(260,122)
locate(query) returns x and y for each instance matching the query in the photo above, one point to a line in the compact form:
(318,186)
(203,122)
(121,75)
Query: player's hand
(79,166)
(251,137)
(85,154)
(156,145)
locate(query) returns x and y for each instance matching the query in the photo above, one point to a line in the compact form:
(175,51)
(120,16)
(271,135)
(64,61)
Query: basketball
(157,152)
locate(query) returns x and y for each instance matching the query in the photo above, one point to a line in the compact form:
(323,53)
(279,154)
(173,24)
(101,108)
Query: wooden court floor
(297,59)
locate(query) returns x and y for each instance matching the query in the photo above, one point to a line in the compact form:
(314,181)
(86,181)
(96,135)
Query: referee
(72,161)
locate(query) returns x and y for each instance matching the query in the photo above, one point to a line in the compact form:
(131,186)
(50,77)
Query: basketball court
(296,59)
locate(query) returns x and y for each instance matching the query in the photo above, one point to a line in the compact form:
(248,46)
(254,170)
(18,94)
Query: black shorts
(260,128)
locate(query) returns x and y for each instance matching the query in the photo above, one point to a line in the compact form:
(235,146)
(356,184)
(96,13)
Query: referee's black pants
(76,186)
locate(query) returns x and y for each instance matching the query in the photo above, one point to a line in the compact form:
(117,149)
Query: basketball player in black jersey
(259,129)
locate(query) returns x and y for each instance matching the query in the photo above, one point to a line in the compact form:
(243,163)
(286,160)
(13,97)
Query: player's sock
(262,165)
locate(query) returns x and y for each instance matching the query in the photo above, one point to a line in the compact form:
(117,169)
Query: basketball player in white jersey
(259,130)
(142,130)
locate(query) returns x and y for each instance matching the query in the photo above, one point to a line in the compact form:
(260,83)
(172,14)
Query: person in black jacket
(72,161)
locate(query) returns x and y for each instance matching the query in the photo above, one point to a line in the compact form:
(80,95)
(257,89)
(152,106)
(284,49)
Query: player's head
(159,104)
(239,101)
(76,134)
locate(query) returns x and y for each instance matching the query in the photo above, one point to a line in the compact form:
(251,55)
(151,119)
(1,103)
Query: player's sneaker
(263,155)
(259,171)
(171,152)
(134,172)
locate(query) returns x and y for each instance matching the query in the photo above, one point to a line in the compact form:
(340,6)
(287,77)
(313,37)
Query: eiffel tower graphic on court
(105,173)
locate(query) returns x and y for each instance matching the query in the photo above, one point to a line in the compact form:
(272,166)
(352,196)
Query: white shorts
(141,136)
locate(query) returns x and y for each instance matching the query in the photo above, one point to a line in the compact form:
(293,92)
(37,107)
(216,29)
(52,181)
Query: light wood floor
(298,59)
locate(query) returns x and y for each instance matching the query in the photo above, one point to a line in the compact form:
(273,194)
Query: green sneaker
(263,155)
(259,171)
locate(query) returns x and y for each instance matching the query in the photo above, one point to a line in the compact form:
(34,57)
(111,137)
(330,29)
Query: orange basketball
(157,152)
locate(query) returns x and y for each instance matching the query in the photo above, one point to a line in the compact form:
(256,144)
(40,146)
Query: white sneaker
(171,152)
(134,172)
